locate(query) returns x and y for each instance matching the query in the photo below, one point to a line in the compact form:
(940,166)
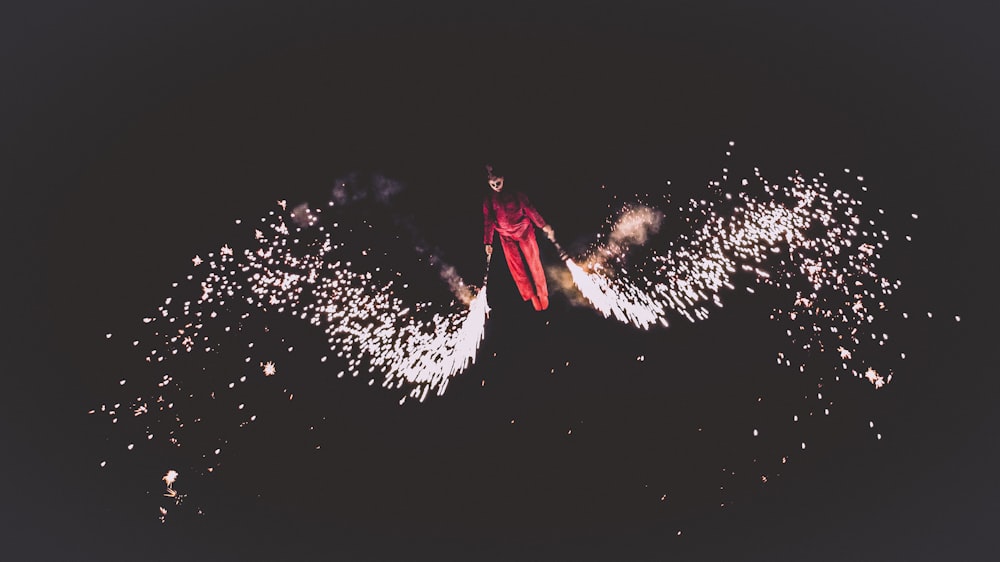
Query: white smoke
(384,189)
(356,187)
(303,216)
(635,226)
(561,280)
(450,276)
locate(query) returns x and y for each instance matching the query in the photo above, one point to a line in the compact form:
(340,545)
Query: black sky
(134,135)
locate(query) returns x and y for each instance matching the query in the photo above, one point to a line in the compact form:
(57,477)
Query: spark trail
(365,320)
(804,238)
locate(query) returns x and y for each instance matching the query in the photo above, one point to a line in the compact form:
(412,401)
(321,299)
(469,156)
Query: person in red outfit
(510,215)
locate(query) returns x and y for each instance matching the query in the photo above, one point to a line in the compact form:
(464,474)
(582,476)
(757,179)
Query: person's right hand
(489,249)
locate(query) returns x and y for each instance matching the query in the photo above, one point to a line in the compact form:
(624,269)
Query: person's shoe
(537,303)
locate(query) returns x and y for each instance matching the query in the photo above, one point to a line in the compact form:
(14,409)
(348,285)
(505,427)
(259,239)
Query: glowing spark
(875,378)
(170,477)
(170,492)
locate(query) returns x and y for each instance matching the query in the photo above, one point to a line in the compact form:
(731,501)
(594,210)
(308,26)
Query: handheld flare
(562,253)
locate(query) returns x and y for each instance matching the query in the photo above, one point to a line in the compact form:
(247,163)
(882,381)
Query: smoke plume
(356,187)
(303,216)
(635,226)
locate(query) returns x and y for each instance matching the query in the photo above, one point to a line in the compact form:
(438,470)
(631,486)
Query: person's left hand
(547,229)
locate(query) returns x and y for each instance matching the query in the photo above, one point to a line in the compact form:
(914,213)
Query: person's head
(495,181)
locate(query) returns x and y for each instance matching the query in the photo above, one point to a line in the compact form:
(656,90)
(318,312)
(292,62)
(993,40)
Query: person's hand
(489,250)
(547,229)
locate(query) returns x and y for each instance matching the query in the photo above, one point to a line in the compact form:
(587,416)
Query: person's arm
(488,226)
(549,232)
(535,216)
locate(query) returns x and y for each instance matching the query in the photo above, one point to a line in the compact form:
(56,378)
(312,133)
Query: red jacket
(509,214)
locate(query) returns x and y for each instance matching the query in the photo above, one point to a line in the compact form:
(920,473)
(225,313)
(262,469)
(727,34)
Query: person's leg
(531,255)
(529,246)
(512,252)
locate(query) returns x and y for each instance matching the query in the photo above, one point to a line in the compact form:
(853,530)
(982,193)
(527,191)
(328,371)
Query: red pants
(518,251)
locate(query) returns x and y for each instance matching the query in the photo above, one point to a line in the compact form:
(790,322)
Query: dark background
(134,135)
